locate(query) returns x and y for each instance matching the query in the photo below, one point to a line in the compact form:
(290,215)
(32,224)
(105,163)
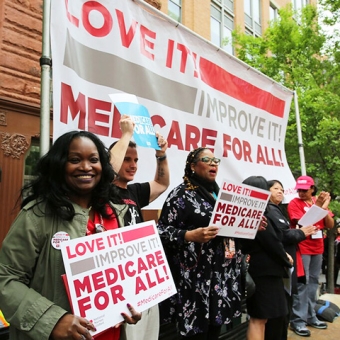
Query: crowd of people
(83,188)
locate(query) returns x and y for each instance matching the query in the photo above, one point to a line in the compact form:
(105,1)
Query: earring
(193,171)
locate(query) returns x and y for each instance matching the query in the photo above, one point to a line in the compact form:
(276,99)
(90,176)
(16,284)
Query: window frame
(225,20)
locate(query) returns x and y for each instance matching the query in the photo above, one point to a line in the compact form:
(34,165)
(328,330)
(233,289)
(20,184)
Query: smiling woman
(71,194)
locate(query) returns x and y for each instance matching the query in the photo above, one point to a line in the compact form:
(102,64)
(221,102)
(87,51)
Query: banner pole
(298,127)
(45,64)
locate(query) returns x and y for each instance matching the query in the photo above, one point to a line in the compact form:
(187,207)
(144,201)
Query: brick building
(20,52)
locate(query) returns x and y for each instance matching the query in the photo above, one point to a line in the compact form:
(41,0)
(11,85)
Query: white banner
(196,94)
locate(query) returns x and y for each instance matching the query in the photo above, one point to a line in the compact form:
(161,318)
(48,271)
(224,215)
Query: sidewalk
(333,330)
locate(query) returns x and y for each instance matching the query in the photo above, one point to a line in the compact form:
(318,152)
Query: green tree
(294,52)
(333,6)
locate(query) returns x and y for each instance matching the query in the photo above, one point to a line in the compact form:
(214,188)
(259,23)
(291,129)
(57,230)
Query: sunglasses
(211,160)
(302,190)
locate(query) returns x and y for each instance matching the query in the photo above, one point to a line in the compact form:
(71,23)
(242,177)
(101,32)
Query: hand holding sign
(201,235)
(71,326)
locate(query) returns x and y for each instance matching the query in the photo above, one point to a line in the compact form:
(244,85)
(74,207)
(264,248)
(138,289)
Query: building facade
(20,53)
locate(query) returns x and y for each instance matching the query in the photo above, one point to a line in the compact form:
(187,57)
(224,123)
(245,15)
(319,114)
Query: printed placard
(108,270)
(144,133)
(238,210)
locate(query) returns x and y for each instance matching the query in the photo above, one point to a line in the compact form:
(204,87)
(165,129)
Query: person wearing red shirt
(311,251)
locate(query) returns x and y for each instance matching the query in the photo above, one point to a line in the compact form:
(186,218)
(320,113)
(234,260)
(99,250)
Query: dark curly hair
(193,157)
(50,185)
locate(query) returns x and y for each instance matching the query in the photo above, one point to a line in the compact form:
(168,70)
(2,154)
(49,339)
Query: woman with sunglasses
(205,267)
(310,261)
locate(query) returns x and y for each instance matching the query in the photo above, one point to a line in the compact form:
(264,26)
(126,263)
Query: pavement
(333,330)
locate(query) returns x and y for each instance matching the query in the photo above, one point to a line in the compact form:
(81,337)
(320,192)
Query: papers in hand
(313,215)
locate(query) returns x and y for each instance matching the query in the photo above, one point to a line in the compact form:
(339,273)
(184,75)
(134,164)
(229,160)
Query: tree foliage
(333,6)
(294,52)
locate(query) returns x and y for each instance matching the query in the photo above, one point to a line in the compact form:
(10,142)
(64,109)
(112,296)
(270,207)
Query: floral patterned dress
(206,276)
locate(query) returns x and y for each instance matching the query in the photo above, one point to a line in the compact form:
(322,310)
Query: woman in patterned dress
(205,267)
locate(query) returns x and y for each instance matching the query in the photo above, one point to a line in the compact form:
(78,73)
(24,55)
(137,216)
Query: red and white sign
(108,270)
(196,94)
(238,210)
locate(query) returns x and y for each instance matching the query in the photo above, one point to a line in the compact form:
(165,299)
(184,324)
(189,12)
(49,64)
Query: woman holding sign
(267,266)
(290,239)
(205,268)
(71,197)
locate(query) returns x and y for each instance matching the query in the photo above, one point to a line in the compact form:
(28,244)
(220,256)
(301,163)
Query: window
(298,4)
(273,13)
(175,9)
(222,24)
(252,16)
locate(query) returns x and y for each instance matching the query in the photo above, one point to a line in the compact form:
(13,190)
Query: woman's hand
(290,259)
(263,224)
(309,230)
(201,235)
(133,319)
(72,327)
(323,200)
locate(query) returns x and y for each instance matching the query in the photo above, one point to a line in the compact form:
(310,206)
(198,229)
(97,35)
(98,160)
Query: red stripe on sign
(135,234)
(259,195)
(221,80)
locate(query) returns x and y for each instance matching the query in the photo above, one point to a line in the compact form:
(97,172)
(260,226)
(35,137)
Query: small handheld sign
(238,210)
(105,271)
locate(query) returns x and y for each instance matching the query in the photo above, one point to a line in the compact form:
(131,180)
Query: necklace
(309,204)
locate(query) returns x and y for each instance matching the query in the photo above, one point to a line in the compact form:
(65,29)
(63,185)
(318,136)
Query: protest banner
(238,210)
(108,270)
(196,93)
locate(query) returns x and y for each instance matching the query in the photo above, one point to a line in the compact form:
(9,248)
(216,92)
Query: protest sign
(196,93)
(108,270)
(238,210)
(144,133)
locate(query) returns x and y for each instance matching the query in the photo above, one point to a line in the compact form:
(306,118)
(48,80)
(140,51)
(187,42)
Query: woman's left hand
(323,200)
(290,259)
(263,224)
(133,319)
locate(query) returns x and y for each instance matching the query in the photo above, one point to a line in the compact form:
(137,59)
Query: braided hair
(192,158)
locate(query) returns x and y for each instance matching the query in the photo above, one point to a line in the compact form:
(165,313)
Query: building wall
(196,14)
(20,50)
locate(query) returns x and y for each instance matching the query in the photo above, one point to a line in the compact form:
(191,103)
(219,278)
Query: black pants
(277,329)
(213,334)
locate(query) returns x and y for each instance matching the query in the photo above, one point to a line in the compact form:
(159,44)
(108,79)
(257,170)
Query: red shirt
(108,224)
(296,209)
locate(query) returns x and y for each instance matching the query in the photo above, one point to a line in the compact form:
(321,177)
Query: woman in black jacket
(268,265)
(290,238)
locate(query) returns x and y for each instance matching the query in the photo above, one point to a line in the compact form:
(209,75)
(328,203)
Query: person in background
(137,196)
(205,267)
(268,266)
(337,254)
(290,238)
(311,250)
(72,196)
